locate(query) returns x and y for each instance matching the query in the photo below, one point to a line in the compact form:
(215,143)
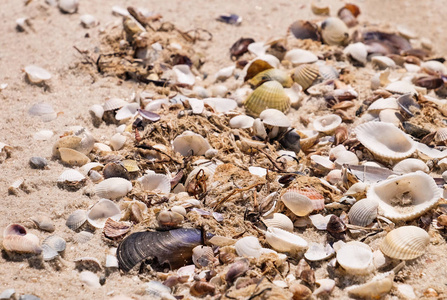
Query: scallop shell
(405,243)
(307,138)
(71,176)
(155,183)
(405,197)
(248,246)
(327,123)
(37,74)
(274,117)
(306,74)
(73,157)
(190,143)
(357,51)
(299,204)
(268,95)
(334,31)
(384,103)
(241,121)
(385,140)
(409,165)
(280,221)
(300,56)
(76,219)
(284,241)
(113,188)
(272,74)
(401,87)
(101,211)
(356,258)
(363,212)
(114,104)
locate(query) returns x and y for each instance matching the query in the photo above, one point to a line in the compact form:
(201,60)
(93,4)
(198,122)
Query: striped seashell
(314,195)
(328,73)
(158,183)
(113,188)
(306,74)
(385,140)
(405,197)
(73,157)
(363,212)
(268,95)
(241,121)
(327,123)
(308,138)
(383,62)
(114,104)
(405,243)
(357,51)
(334,31)
(278,220)
(300,56)
(272,74)
(355,258)
(101,211)
(51,247)
(299,204)
(409,165)
(274,117)
(83,237)
(401,87)
(284,241)
(441,135)
(76,219)
(202,256)
(190,143)
(16,239)
(248,246)
(115,229)
(130,165)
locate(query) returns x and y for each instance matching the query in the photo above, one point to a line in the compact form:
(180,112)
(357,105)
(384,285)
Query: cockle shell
(401,87)
(405,197)
(299,203)
(248,246)
(76,219)
(383,62)
(114,104)
(202,256)
(101,211)
(363,212)
(409,165)
(385,140)
(300,56)
(51,247)
(190,143)
(155,183)
(16,239)
(357,51)
(272,74)
(327,123)
(284,241)
(241,121)
(356,258)
(268,95)
(405,243)
(71,175)
(113,188)
(37,74)
(334,31)
(306,74)
(280,221)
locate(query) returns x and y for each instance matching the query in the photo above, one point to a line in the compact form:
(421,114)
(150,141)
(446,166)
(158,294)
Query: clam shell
(405,197)
(114,104)
(272,74)
(284,241)
(43,135)
(300,56)
(259,129)
(304,30)
(155,183)
(221,105)
(383,62)
(55,242)
(248,246)
(73,157)
(37,74)
(356,258)
(441,135)
(357,51)
(85,169)
(117,141)
(327,123)
(334,31)
(190,143)
(43,223)
(299,204)
(405,243)
(126,112)
(401,87)
(409,165)
(384,103)
(71,176)
(241,121)
(113,188)
(268,95)
(76,219)
(385,140)
(280,221)
(306,74)
(114,229)
(363,212)
(274,117)
(101,211)
(28,243)
(307,138)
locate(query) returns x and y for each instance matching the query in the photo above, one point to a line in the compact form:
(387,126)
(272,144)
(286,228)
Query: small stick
(234,192)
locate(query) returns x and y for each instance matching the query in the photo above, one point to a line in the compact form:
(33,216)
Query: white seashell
(55,242)
(241,94)
(430,152)
(37,74)
(259,129)
(356,258)
(284,241)
(114,104)
(83,237)
(111,261)
(184,75)
(318,252)
(405,243)
(179,209)
(409,165)
(320,221)
(406,291)
(201,92)
(90,279)
(85,169)
(219,90)
(101,148)
(377,287)
(327,123)
(412,68)
(101,211)
(241,121)
(40,109)
(274,117)
(334,31)
(325,287)
(401,87)
(258,171)
(248,246)
(157,183)
(347,157)
(405,197)
(433,66)
(280,221)
(383,62)
(117,141)
(225,73)
(322,162)
(221,105)
(120,11)
(155,105)
(295,94)
(157,290)
(127,112)
(383,103)
(300,56)
(76,219)
(390,116)
(71,176)
(95,176)
(357,51)
(68,6)
(385,140)
(88,21)
(257,48)
(363,212)
(197,105)
(43,135)
(299,204)
(190,143)
(113,188)
(334,176)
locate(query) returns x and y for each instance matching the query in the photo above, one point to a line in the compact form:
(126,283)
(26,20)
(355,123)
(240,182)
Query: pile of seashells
(274,179)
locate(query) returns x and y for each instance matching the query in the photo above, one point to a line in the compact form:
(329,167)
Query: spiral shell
(334,31)
(284,241)
(270,94)
(363,212)
(272,74)
(306,74)
(405,243)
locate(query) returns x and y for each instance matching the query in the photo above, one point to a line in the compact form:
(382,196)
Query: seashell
(248,246)
(173,247)
(405,197)
(291,141)
(405,243)
(307,138)
(268,95)
(347,157)
(114,104)
(43,223)
(304,30)
(357,51)
(322,163)
(40,109)
(97,112)
(219,90)
(115,229)
(300,56)
(16,239)
(306,74)
(73,157)
(88,21)
(429,82)
(68,6)
(51,247)
(355,258)
(363,212)
(434,67)
(197,105)
(117,141)
(37,162)
(101,211)
(202,256)
(376,288)
(190,143)
(409,165)
(113,188)
(299,291)
(325,287)
(284,241)
(385,140)
(169,218)
(241,121)
(258,171)
(126,112)
(71,176)
(184,75)
(383,62)
(225,73)
(348,14)
(90,279)
(221,105)
(237,269)
(37,74)
(320,9)
(85,169)
(257,48)
(256,66)
(328,73)
(401,87)
(274,117)
(201,288)
(130,165)
(272,74)
(280,221)
(259,129)
(83,237)
(155,183)
(320,222)
(43,135)
(334,31)
(157,290)
(318,252)
(76,219)
(113,169)
(335,226)
(384,103)
(327,123)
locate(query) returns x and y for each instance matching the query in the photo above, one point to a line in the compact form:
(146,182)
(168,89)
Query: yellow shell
(306,74)
(272,74)
(270,94)
(130,165)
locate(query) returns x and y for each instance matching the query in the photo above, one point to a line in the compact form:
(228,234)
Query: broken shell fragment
(43,223)
(115,229)
(68,6)
(272,74)
(327,123)
(300,56)
(405,243)
(73,157)
(284,241)
(37,74)
(377,287)
(241,121)
(318,252)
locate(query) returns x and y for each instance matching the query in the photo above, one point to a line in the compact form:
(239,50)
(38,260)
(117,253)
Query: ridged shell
(334,31)
(113,188)
(280,221)
(248,246)
(28,243)
(184,75)
(114,103)
(190,143)
(363,212)
(40,109)
(328,73)
(356,258)
(384,103)
(308,138)
(76,219)
(306,74)
(130,165)
(85,169)
(156,183)
(300,56)
(37,74)
(405,197)
(327,123)
(401,87)
(284,241)
(114,229)
(274,117)
(272,74)
(268,95)
(101,211)
(441,135)
(55,242)
(71,176)
(409,165)
(202,256)
(73,157)
(405,243)
(385,140)
(299,204)
(241,121)
(357,51)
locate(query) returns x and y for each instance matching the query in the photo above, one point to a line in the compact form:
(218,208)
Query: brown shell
(304,30)
(256,67)
(272,74)
(114,230)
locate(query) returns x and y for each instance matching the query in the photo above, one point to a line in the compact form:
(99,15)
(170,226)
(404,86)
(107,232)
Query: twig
(234,192)
(272,161)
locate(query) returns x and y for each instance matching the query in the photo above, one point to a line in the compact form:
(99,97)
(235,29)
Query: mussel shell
(173,247)
(240,46)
